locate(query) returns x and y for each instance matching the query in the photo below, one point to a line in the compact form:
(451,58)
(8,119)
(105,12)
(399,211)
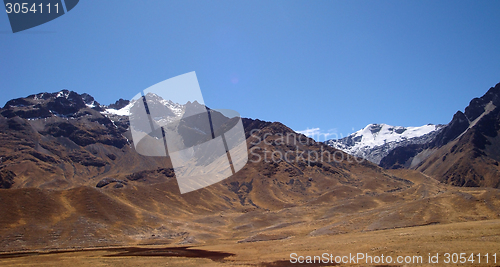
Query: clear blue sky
(332,65)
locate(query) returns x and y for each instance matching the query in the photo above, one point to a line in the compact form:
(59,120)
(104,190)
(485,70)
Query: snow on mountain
(125,111)
(375,141)
(63,93)
(175,108)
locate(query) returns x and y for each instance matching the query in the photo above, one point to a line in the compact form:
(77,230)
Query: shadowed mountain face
(58,141)
(70,177)
(465,152)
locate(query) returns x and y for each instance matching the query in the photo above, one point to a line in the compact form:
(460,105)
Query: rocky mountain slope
(375,141)
(465,152)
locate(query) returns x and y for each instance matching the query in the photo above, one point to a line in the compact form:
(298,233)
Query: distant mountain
(375,141)
(465,153)
(167,107)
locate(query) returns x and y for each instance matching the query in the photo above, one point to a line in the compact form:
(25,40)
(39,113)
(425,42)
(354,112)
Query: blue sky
(332,65)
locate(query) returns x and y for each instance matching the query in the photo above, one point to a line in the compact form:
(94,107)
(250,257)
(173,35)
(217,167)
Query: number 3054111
(35,8)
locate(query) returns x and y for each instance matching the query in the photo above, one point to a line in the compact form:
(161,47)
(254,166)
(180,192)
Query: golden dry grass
(466,237)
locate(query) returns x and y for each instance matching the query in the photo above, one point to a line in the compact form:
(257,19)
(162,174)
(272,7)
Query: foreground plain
(467,237)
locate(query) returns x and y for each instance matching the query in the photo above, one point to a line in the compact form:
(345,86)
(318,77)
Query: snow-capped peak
(376,140)
(177,109)
(125,111)
(63,93)
(378,134)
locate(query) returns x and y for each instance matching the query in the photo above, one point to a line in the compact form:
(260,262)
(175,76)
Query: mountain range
(464,152)
(70,178)
(375,141)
